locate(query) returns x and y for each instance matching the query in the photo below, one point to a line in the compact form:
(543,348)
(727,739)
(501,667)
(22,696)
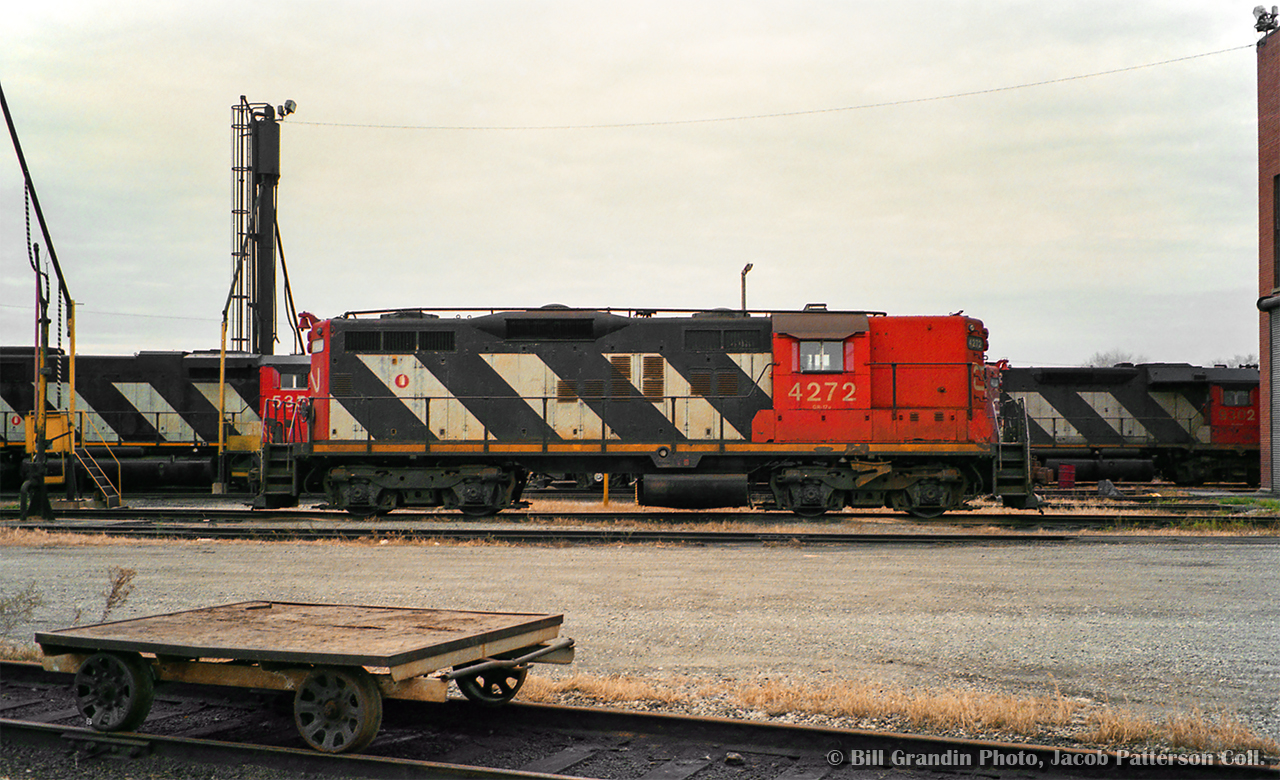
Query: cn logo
(402,380)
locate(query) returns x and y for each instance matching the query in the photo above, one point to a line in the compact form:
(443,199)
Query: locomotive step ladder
(278,478)
(108,490)
(1013,469)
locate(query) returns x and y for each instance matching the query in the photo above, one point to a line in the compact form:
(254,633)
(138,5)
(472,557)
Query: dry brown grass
(12,651)
(610,689)
(922,709)
(1051,717)
(1187,731)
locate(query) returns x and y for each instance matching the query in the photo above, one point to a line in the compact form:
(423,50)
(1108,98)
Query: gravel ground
(1159,626)
(1155,624)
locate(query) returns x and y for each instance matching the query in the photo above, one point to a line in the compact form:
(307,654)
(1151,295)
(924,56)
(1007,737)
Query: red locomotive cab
(842,377)
(284,398)
(821,388)
(1233,416)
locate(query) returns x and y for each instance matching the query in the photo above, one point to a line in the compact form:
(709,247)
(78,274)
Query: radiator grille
(566,391)
(653,377)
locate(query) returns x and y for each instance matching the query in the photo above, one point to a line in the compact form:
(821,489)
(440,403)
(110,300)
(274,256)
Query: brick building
(1269,246)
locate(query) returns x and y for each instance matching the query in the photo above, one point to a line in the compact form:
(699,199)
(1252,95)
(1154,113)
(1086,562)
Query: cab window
(1236,397)
(821,356)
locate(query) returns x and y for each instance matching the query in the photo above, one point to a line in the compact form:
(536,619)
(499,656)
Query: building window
(821,356)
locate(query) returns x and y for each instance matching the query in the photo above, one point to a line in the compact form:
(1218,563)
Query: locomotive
(1182,423)
(811,410)
(152,418)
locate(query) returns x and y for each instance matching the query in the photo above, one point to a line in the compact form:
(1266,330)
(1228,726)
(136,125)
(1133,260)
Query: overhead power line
(81,310)
(784,114)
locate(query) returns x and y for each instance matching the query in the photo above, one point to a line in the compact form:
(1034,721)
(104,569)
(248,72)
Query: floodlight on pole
(745,271)
(1264,20)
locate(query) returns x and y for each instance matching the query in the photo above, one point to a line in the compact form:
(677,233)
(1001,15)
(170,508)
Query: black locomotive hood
(551,324)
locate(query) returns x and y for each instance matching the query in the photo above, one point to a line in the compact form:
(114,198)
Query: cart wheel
(495,686)
(338,710)
(114,691)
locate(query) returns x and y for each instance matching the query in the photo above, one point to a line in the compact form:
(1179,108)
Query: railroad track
(277,527)
(222,521)
(201,724)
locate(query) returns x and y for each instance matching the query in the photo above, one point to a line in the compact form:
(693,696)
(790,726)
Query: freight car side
(820,409)
(1182,423)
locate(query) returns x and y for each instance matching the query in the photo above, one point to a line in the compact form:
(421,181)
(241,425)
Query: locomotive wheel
(114,691)
(387,501)
(338,710)
(926,513)
(903,503)
(810,511)
(495,686)
(479,511)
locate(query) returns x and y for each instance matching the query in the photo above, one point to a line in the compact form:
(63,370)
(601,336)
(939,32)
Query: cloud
(1080,197)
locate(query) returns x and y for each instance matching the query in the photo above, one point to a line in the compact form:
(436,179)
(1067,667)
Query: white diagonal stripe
(533,380)
(692,415)
(425,396)
(1118,417)
(158,411)
(758,366)
(237,405)
(1049,418)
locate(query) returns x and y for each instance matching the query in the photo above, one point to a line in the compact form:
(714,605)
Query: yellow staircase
(108,490)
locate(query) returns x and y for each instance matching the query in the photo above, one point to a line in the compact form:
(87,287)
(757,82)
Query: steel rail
(192,751)
(538,536)
(1235,513)
(595,731)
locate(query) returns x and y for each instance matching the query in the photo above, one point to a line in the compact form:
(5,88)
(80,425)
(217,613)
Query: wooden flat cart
(340,661)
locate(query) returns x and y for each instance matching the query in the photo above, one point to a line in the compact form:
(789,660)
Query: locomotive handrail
(629,311)
(119,485)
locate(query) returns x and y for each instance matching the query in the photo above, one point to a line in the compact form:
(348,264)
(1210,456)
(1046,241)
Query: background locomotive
(815,410)
(1182,423)
(151,419)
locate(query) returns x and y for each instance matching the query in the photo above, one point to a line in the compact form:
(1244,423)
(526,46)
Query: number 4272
(822,392)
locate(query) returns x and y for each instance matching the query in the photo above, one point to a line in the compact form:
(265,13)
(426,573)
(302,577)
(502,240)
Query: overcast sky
(1114,212)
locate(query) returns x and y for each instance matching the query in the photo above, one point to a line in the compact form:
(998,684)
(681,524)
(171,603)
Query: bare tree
(1113,357)
(1239,361)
